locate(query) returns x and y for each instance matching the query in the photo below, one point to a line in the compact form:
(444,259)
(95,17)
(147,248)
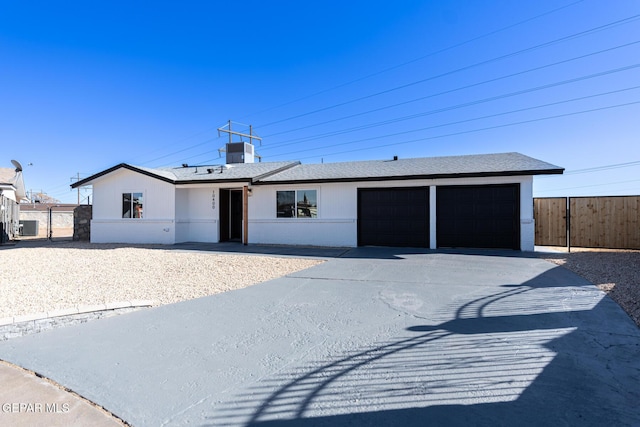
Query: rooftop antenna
(239,152)
(17,165)
(227,129)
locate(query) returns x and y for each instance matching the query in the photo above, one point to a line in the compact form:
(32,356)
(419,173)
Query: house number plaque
(213,199)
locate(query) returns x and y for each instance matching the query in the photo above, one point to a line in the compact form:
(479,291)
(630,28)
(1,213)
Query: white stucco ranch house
(471,201)
(12,194)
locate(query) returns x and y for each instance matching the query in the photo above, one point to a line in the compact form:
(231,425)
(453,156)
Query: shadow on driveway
(376,337)
(547,365)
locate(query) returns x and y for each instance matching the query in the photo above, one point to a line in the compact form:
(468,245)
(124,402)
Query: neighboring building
(12,193)
(483,201)
(47,219)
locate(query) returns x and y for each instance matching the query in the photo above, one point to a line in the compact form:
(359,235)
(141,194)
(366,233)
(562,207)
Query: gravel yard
(54,276)
(616,272)
(37,278)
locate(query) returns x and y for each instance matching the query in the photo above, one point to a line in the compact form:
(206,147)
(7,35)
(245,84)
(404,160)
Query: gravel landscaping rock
(56,276)
(616,272)
(40,278)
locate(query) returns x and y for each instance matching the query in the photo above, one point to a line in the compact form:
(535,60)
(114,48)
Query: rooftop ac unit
(240,152)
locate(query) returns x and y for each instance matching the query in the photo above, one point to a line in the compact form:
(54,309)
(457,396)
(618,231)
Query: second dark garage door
(393,217)
(478,216)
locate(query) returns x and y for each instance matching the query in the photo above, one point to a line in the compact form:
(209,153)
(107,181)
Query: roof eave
(115,168)
(416,177)
(214,181)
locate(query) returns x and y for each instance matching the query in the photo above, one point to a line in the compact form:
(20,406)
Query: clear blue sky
(85,85)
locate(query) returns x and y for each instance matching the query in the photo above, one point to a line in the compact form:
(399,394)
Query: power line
(598,168)
(465,68)
(468,120)
(422,98)
(378,137)
(478,130)
(59,186)
(179,151)
(420,58)
(178,141)
(602,168)
(592,30)
(440,110)
(593,185)
(454,107)
(383,71)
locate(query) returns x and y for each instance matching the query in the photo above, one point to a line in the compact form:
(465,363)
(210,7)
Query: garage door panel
(393,216)
(484,209)
(478,216)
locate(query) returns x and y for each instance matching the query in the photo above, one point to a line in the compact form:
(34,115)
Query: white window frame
(295,208)
(131,209)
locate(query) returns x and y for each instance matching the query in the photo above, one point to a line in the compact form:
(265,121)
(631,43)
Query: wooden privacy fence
(593,222)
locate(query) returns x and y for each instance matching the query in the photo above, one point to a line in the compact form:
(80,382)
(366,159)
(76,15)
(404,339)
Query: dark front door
(236,215)
(478,216)
(393,217)
(230,215)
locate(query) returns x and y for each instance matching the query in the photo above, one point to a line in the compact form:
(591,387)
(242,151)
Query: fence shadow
(515,357)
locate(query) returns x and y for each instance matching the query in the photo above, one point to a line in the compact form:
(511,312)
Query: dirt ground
(616,272)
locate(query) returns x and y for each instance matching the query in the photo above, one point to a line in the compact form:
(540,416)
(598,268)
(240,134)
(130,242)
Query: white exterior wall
(157,224)
(527,222)
(191,213)
(197,214)
(336,224)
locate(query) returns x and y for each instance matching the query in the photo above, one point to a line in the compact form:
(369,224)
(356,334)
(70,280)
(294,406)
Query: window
(132,205)
(297,204)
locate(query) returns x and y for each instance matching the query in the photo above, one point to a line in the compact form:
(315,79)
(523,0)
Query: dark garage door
(482,216)
(393,217)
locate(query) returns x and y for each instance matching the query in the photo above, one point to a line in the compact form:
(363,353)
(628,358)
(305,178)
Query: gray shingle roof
(234,172)
(503,164)
(7,175)
(241,172)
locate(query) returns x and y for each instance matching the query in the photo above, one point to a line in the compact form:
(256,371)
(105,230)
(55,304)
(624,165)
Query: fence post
(50,224)
(568,199)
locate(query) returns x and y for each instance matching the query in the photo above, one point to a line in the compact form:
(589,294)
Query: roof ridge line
(291,165)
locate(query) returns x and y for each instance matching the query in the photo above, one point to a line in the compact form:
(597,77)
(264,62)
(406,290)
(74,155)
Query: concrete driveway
(375,337)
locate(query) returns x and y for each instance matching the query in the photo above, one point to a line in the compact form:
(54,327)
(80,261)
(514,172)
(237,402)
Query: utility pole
(77,178)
